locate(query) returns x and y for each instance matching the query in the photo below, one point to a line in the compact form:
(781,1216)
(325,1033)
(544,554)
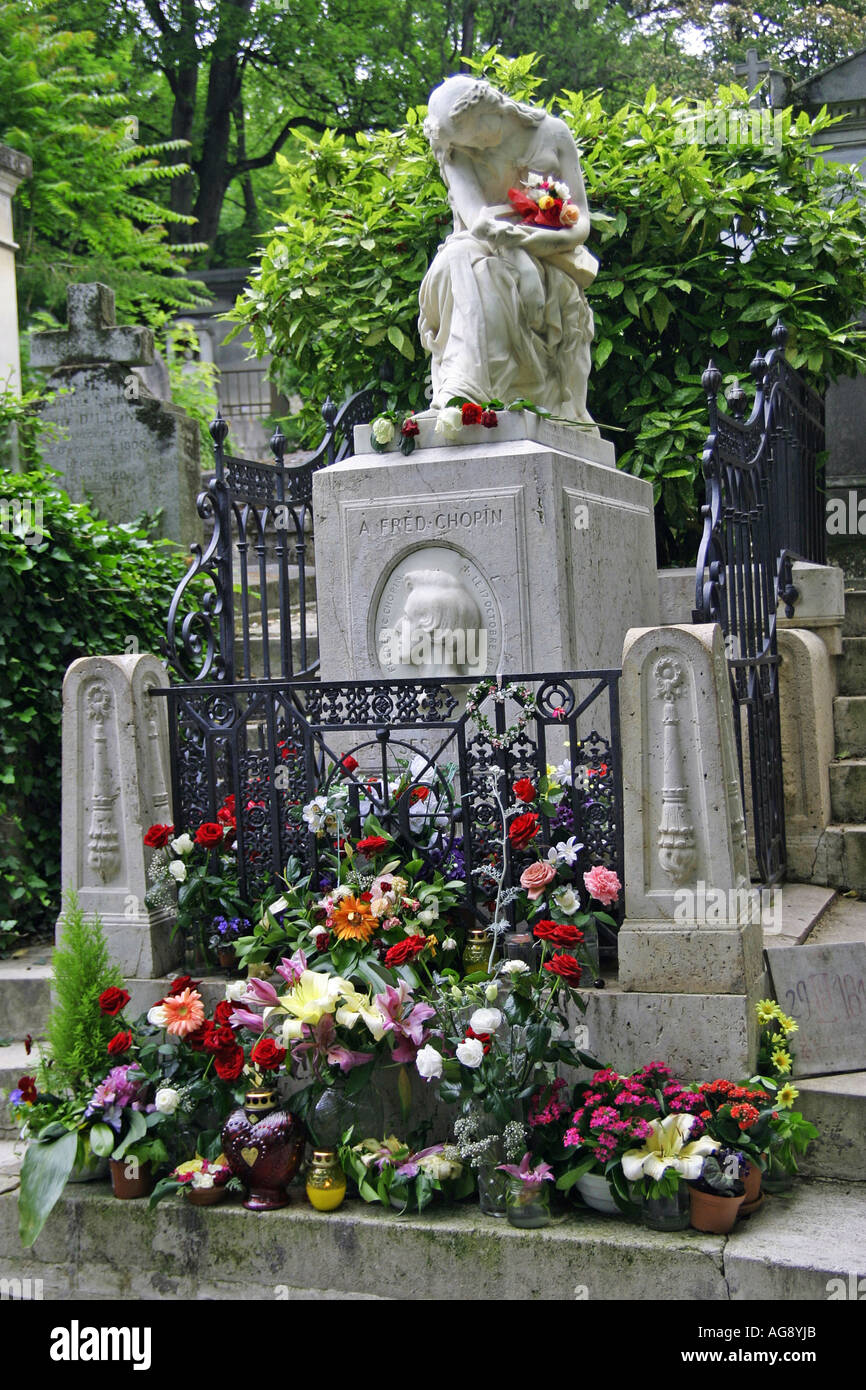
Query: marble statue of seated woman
(503,312)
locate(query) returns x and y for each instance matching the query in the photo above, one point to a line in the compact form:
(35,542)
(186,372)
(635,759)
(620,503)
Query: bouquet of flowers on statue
(544,202)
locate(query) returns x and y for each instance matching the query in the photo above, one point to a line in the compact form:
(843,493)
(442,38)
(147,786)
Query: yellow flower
(767,1010)
(314,994)
(790,1025)
(432,942)
(782,1060)
(545,202)
(786,1096)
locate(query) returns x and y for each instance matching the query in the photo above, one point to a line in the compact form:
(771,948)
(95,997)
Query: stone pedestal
(118,443)
(522,546)
(115,785)
(14,168)
(690,948)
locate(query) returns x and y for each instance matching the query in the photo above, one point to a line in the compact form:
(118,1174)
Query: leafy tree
(702,247)
(86,214)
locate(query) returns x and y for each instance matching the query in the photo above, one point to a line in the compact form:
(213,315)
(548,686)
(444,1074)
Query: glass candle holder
(527,1204)
(520,945)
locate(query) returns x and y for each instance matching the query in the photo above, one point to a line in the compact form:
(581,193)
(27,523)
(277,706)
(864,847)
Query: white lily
(666,1148)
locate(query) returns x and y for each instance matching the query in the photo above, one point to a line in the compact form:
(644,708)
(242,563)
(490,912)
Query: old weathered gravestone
(824,989)
(121,446)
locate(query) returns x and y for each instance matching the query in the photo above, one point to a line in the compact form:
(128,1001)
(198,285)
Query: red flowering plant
(196,874)
(736,1116)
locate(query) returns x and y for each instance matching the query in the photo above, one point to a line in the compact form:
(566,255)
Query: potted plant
(124,1119)
(716,1196)
(660,1170)
(224,935)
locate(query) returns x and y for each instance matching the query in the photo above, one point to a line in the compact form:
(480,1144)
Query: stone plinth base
(690,959)
(699,1036)
(529,553)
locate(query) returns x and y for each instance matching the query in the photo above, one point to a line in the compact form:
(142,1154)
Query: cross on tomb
(754,71)
(92,335)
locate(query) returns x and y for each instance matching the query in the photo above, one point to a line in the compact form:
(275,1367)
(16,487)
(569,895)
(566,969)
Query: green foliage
(78,1032)
(193,381)
(88,213)
(44,1174)
(702,247)
(74,586)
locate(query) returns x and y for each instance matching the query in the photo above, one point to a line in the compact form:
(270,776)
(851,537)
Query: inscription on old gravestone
(824,989)
(118,443)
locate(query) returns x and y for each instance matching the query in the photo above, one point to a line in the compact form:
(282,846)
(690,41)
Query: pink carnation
(603,885)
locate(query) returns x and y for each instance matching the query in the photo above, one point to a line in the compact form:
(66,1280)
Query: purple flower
(259,992)
(403,1020)
(292,969)
(242,1018)
(531,1177)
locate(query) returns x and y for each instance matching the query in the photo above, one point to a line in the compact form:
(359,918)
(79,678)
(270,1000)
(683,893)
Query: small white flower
(491,993)
(560,190)
(565,851)
(166,1100)
(383,430)
(514,967)
(449,944)
(449,422)
(470,1053)
(202,1180)
(439,1167)
(156,1016)
(567,901)
(429,1063)
(183,844)
(177,869)
(485,1020)
(428,915)
(235,990)
(456,993)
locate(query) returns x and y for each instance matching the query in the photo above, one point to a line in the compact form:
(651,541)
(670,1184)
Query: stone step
(849,722)
(257,645)
(272,586)
(793,911)
(92,1247)
(25,993)
(854,624)
(837,1105)
(840,857)
(851,666)
(844,921)
(848,790)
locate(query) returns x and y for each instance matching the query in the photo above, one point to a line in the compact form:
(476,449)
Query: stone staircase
(841,857)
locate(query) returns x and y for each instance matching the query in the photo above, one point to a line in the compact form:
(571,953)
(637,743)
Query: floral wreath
(490,688)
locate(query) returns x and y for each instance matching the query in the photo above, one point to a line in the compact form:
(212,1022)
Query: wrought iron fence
(245,609)
(431,766)
(763,510)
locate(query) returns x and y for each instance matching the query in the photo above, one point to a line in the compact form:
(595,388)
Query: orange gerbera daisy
(180,1014)
(353,920)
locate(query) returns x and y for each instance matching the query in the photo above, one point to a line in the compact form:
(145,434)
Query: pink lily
(259,992)
(532,1177)
(292,969)
(242,1018)
(322,1042)
(412,1165)
(405,1022)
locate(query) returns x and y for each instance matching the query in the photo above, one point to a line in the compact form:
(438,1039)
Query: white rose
(203,1180)
(166,1100)
(157,1016)
(429,1063)
(383,430)
(449,944)
(177,869)
(235,990)
(491,993)
(182,845)
(514,967)
(485,1020)
(449,422)
(470,1052)
(567,901)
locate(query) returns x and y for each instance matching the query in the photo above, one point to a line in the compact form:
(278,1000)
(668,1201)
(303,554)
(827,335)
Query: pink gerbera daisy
(180,1014)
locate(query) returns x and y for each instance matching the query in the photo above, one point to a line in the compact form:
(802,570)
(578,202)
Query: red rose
(546,929)
(181,983)
(111,1001)
(419,794)
(209,834)
(226,817)
(157,836)
(223,1011)
(229,1064)
(472,414)
(566,935)
(524,789)
(348,764)
(523,829)
(373,844)
(405,951)
(483,1038)
(224,1037)
(566,967)
(197,1039)
(121,1042)
(410,427)
(489,419)
(267,1055)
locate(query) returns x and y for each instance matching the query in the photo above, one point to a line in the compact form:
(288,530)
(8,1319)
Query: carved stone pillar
(115,785)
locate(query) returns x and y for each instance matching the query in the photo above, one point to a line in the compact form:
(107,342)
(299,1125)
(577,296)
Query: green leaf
(102,1138)
(44,1175)
(137,1130)
(404,1090)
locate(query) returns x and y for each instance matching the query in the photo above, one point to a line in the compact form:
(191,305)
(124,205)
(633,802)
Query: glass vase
(334,1112)
(667,1213)
(527,1204)
(492,1186)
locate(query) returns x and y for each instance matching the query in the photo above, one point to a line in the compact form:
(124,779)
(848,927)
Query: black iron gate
(763,510)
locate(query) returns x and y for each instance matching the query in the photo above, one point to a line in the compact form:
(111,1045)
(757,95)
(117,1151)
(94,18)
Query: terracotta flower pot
(126,1187)
(204,1196)
(753,1197)
(712,1212)
(265,1153)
